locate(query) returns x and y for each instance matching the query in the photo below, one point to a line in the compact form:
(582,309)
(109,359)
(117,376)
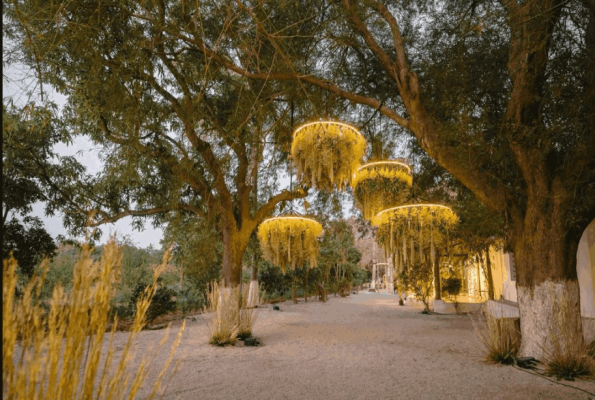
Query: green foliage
(198,253)
(136,263)
(451,286)
(337,245)
(18,193)
(418,279)
(192,296)
(60,271)
(162,303)
(272,280)
(29,243)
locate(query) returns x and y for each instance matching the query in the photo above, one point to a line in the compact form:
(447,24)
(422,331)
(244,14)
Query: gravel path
(364,346)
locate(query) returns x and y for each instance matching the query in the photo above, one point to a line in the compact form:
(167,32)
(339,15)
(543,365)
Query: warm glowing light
(414,206)
(328,122)
(290,241)
(327,153)
(381,163)
(413,231)
(380,185)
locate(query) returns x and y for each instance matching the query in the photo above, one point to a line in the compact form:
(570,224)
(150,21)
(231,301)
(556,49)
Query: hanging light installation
(327,153)
(290,241)
(424,225)
(381,185)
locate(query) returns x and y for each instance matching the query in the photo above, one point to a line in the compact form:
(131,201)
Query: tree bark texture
(489,275)
(234,245)
(547,250)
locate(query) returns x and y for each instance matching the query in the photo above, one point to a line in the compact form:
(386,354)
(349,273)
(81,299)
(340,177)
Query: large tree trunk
(234,246)
(547,284)
(490,278)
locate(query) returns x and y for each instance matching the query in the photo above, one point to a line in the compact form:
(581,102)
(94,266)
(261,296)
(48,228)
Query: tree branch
(286,195)
(152,211)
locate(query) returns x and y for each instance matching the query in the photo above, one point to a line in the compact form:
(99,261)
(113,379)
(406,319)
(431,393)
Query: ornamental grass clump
(224,303)
(58,354)
(569,357)
(500,337)
(232,319)
(247,316)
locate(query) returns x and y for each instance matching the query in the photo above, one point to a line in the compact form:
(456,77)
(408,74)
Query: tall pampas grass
(223,302)
(569,357)
(500,338)
(231,318)
(248,316)
(57,354)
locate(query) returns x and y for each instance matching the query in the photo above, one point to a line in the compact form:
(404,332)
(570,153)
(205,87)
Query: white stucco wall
(509,285)
(585,268)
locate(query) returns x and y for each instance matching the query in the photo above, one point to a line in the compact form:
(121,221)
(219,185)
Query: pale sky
(84,152)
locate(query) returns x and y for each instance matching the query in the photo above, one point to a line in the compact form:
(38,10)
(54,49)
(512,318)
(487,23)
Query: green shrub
(161,304)
(451,286)
(191,298)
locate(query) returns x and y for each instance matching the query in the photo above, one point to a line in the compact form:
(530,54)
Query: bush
(191,297)
(419,279)
(344,288)
(60,270)
(570,356)
(500,337)
(162,301)
(451,286)
(272,280)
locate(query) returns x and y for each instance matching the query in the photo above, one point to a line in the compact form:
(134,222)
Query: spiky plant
(248,316)
(500,338)
(569,358)
(56,354)
(223,329)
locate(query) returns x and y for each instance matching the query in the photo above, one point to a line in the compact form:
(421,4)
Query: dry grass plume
(569,357)
(42,351)
(500,338)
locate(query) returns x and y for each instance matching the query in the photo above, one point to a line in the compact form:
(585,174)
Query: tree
(177,132)
(500,94)
(198,252)
(27,239)
(29,243)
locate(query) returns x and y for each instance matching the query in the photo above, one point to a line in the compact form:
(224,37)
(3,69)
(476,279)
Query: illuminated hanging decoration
(380,185)
(426,226)
(290,241)
(327,153)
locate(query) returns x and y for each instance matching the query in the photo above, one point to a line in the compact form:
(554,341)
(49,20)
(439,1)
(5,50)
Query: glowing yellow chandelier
(327,153)
(410,231)
(380,185)
(290,241)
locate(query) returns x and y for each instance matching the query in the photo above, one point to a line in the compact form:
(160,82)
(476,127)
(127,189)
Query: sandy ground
(364,346)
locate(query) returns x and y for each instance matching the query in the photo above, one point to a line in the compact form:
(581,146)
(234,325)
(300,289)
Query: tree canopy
(184,97)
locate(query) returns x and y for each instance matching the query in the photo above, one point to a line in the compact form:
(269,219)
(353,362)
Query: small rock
(276,307)
(252,341)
